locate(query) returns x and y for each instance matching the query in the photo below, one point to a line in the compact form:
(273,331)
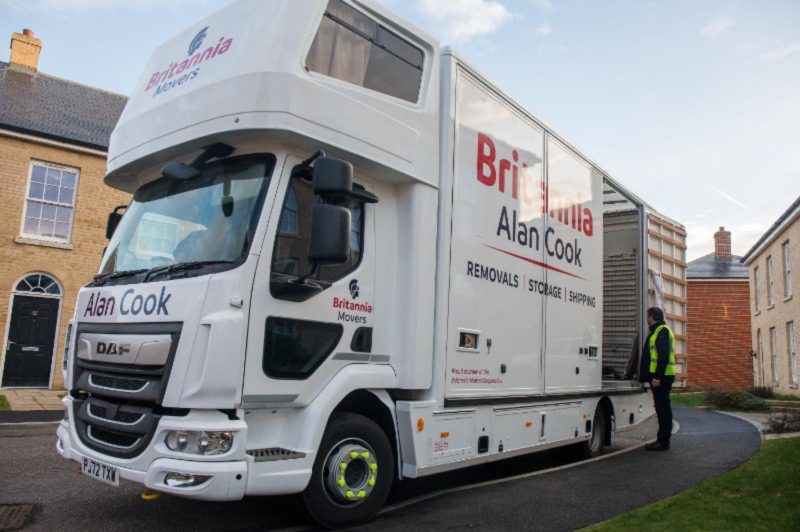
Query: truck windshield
(189,227)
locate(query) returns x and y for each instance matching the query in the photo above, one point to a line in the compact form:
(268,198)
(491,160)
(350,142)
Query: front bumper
(227,480)
(227,473)
(232,475)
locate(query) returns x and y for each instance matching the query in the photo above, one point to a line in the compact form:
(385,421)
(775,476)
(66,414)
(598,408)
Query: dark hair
(656,313)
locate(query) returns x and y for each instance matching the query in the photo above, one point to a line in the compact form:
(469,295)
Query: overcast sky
(694,105)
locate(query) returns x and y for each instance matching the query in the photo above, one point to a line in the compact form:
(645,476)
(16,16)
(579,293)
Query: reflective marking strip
(262,400)
(362,357)
(353,357)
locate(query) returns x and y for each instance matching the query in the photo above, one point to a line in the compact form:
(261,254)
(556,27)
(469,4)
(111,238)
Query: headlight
(199,442)
(177,440)
(181,480)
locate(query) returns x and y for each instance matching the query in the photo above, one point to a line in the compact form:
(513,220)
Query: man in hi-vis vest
(659,368)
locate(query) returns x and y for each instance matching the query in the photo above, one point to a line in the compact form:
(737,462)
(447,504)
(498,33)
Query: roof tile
(709,267)
(54,108)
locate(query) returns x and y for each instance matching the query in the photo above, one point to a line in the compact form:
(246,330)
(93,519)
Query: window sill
(757,313)
(770,307)
(785,299)
(45,243)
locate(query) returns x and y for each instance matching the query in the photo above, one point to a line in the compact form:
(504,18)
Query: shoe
(657,446)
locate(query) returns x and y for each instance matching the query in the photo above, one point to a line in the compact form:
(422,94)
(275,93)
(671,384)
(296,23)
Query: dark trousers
(663,410)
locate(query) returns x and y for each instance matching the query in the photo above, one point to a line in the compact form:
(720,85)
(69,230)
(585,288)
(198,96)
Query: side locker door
(306,325)
(495,311)
(573,243)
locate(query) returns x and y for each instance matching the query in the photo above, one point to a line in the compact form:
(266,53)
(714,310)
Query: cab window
(293,277)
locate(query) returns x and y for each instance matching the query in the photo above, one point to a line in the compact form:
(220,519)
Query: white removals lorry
(349,259)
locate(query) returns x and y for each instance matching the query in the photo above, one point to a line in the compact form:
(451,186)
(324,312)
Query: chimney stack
(722,244)
(25,50)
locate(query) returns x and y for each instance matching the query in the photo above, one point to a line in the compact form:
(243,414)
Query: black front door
(29,351)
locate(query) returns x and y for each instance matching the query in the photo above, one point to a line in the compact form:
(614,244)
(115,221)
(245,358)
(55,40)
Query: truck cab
(209,326)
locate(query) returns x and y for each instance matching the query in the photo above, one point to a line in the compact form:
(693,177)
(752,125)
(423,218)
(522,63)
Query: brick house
(53,145)
(718,310)
(775,310)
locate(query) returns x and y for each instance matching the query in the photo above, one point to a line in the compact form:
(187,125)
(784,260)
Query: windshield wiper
(102,278)
(182,267)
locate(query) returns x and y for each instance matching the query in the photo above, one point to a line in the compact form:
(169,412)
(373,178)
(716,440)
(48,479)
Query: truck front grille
(114,439)
(127,418)
(116,383)
(118,406)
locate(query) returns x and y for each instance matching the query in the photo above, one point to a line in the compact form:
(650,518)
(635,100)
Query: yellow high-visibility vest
(670,371)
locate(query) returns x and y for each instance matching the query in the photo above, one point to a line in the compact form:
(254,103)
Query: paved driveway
(707,445)
(564,499)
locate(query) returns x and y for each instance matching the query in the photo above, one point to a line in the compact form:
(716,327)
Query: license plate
(99,471)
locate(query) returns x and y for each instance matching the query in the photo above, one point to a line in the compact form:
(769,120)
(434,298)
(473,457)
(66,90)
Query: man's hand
(655,383)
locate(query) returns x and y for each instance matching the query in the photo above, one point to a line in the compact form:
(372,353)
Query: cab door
(307,322)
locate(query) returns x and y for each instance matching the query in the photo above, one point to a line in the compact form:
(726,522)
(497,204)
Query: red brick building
(718,319)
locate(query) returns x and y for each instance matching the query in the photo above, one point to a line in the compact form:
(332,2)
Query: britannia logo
(187,68)
(197,42)
(354,288)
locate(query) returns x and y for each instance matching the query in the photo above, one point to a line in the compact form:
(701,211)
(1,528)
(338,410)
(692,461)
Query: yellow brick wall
(25,50)
(71,267)
(782,310)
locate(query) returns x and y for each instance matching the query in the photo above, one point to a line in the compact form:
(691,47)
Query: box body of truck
(486,261)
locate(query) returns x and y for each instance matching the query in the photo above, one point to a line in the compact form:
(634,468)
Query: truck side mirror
(114,218)
(333,179)
(329,242)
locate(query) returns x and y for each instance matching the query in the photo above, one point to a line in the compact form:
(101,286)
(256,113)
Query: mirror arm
(214,151)
(315,266)
(317,155)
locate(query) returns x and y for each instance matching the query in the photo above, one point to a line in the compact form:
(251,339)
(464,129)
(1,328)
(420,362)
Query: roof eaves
(57,138)
(792,212)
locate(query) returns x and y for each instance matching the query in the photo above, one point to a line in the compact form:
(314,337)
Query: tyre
(353,472)
(594,445)
(586,449)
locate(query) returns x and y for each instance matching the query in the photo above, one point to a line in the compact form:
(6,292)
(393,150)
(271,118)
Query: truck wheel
(353,472)
(594,445)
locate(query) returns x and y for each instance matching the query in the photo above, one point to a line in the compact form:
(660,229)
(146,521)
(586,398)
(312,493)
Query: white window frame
(773,351)
(756,289)
(27,198)
(791,347)
(760,347)
(770,283)
(787,269)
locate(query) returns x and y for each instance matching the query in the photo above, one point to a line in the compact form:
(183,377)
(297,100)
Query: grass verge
(782,397)
(761,494)
(4,405)
(688,398)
